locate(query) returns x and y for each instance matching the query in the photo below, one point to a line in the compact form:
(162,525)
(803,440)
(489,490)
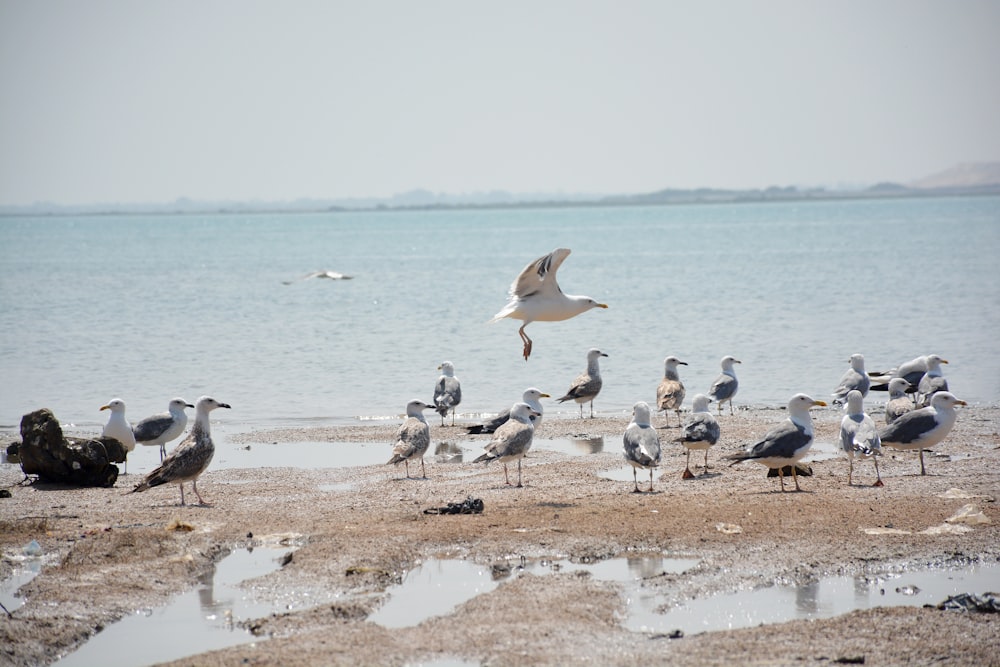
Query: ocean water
(149,307)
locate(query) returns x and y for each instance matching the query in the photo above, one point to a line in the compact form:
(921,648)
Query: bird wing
(781,441)
(540,275)
(187,461)
(669,395)
(641,445)
(701,427)
(511,439)
(153,427)
(584,385)
(866,437)
(910,427)
(723,387)
(492,425)
(412,439)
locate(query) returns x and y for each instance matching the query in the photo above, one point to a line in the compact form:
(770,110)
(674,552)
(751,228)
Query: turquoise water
(149,307)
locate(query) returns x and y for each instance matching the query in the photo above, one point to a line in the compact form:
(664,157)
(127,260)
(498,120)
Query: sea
(148,307)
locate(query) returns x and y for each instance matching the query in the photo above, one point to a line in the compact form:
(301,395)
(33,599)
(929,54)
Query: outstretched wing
(540,275)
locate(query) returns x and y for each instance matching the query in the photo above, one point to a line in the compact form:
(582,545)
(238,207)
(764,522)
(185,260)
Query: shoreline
(112,552)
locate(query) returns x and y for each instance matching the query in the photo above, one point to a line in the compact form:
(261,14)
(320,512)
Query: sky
(146,102)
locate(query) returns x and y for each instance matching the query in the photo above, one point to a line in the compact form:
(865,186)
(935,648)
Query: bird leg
(795,474)
(591,408)
(650,480)
(182,493)
(406,464)
(635,480)
(163,451)
(706,460)
(781,478)
(519,473)
(687,468)
(923,471)
(850,472)
(526,340)
(423,471)
(505,478)
(194,485)
(878,477)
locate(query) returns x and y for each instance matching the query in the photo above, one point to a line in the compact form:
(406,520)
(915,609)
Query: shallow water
(201,620)
(825,598)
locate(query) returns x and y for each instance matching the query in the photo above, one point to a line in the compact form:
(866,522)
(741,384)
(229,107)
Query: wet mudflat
(553,558)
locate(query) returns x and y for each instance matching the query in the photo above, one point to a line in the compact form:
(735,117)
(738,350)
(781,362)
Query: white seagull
(859,436)
(725,386)
(785,444)
(119,428)
(535,296)
(641,445)
(512,440)
(932,381)
(530,396)
(854,378)
(163,427)
(413,437)
(923,428)
(447,392)
(190,458)
(701,431)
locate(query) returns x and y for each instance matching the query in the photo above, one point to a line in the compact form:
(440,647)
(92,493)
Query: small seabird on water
(190,458)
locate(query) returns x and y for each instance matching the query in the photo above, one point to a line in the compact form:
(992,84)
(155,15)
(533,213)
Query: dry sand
(111,552)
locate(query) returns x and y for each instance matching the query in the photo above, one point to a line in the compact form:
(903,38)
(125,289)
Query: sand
(110,552)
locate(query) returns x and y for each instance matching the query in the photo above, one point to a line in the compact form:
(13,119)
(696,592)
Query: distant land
(971,178)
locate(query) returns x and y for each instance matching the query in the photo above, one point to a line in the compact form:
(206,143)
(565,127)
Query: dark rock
(77,461)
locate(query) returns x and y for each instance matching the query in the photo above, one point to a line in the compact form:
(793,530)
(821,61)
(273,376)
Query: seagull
(447,392)
(530,396)
(923,428)
(332,275)
(670,392)
(535,296)
(725,386)
(854,378)
(932,381)
(785,444)
(512,440)
(899,403)
(190,458)
(641,445)
(701,431)
(163,427)
(413,437)
(911,371)
(587,384)
(859,436)
(119,428)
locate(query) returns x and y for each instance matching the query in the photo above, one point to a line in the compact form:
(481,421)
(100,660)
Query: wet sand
(110,552)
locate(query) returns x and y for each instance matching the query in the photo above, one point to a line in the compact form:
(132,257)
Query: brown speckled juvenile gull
(413,437)
(535,296)
(512,440)
(191,457)
(587,384)
(670,392)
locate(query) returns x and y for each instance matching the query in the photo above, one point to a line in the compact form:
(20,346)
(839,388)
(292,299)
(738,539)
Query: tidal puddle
(826,598)
(204,619)
(624,474)
(29,561)
(437,587)
(571,446)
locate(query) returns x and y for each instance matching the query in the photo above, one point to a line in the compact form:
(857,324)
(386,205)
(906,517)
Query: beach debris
(179,526)
(729,528)
(77,461)
(969,514)
(946,529)
(987,603)
(286,559)
(960,494)
(5,493)
(907,590)
(32,549)
(468,506)
(885,530)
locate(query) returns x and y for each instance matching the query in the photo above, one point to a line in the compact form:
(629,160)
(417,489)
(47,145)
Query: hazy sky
(150,101)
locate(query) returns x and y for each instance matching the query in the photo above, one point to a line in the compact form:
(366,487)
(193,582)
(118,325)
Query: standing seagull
(587,384)
(119,428)
(190,458)
(163,427)
(670,392)
(932,381)
(413,437)
(922,429)
(859,436)
(854,378)
(447,392)
(725,386)
(641,445)
(535,295)
(701,431)
(530,396)
(899,403)
(512,440)
(785,444)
